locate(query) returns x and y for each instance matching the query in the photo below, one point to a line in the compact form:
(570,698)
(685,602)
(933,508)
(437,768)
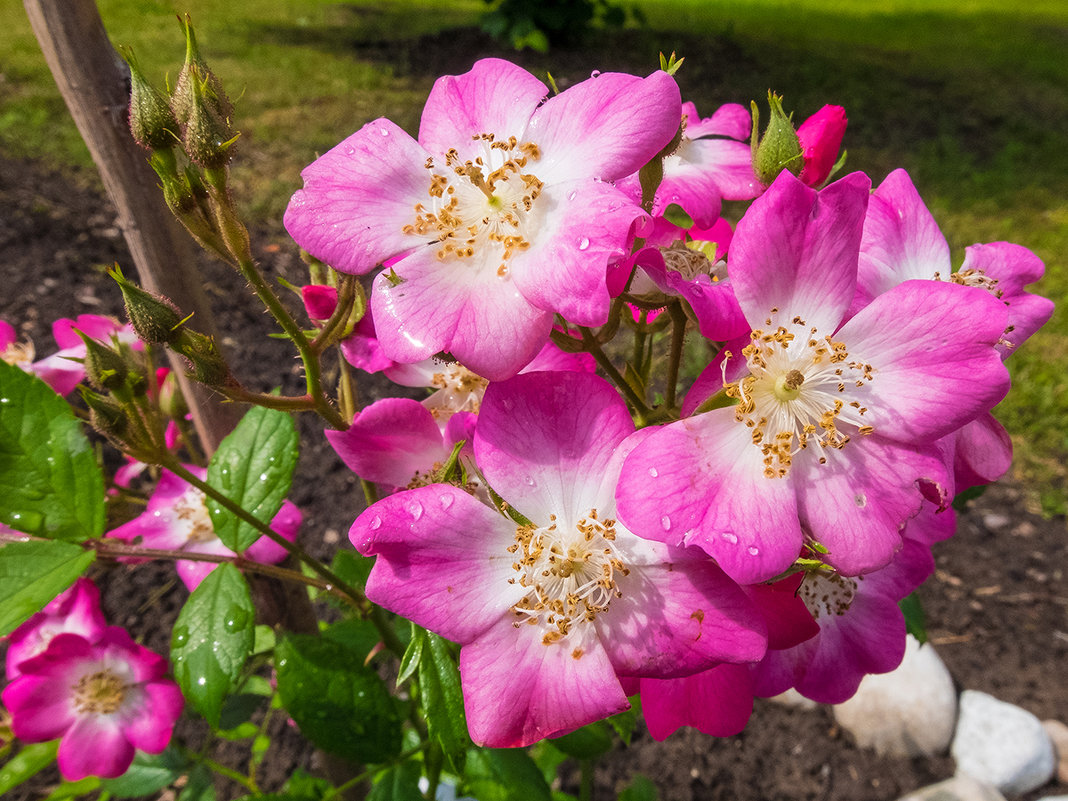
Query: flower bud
(206,364)
(105,415)
(152,122)
(182,98)
(202,108)
(821,137)
(155,318)
(779,149)
(105,367)
(171,401)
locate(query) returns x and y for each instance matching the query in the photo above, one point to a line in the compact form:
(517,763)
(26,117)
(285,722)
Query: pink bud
(319,301)
(821,137)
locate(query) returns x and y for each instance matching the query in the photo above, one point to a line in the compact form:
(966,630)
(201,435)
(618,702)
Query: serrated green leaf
(254,468)
(27,763)
(212,638)
(443,700)
(639,789)
(50,482)
(33,573)
(589,742)
(147,774)
(412,655)
(399,783)
(503,774)
(338,704)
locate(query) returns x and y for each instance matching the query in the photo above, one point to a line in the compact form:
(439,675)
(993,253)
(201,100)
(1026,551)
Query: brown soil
(997,608)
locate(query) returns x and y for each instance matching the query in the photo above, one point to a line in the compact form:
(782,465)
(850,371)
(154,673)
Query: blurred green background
(970,96)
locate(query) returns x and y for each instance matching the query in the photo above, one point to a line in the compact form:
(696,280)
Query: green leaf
(676,215)
(503,774)
(212,639)
(340,705)
(399,783)
(239,708)
(33,573)
(915,619)
(412,655)
(626,721)
(146,775)
(199,787)
(352,568)
(589,742)
(356,634)
(303,784)
(27,763)
(443,699)
(639,789)
(50,482)
(67,790)
(253,467)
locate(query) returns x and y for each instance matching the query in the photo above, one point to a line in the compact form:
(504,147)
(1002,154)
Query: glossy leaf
(29,761)
(33,573)
(399,783)
(443,699)
(147,774)
(503,774)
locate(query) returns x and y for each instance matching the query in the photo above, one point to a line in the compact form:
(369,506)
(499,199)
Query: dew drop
(263,476)
(730,537)
(583,243)
(595,74)
(384,131)
(529,481)
(415,509)
(665,523)
(202,680)
(5,400)
(350,150)
(236,618)
(572,195)
(653,472)
(181,634)
(752,550)
(375,523)
(446,501)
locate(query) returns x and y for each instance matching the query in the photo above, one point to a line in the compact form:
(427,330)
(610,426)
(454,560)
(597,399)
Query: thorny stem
(678,338)
(346,295)
(641,409)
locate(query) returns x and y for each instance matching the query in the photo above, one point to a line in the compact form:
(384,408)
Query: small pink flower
(550,613)
(177,519)
(102,700)
(62,371)
(76,610)
(821,138)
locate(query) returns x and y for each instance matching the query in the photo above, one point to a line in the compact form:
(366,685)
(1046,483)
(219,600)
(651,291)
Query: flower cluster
(74,678)
(756,535)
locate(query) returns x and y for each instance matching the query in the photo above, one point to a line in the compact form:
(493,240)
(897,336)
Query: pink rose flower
(821,138)
(76,610)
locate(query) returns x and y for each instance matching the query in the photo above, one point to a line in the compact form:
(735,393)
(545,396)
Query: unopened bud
(821,138)
(171,401)
(206,364)
(155,318)
(104,367)
(152,122)
(207,135)
(106,416)
(182,98)
(779,149)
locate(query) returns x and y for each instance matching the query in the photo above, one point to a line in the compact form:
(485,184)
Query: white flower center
(828,594)
(459,390)
(484,207)
(571,572)
(800,387)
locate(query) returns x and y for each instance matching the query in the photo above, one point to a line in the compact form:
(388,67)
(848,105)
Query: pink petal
(495,97)
(40,705)
(795,250)
(732,120)
(518,690)
(94,746)
(982,452)
(358,196)
(150,725)
(717,702)
(821,137)
(544,442)
(605,127)
(931,345)
(443,560)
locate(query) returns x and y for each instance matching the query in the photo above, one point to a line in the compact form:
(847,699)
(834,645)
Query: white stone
(1058,735)
(907,712)
(960,788)
(1002,744)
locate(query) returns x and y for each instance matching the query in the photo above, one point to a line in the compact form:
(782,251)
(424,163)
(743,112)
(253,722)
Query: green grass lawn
(971,96)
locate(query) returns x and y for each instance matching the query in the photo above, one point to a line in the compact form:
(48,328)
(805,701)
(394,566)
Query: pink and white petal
(95,326)
(518,690)
(796,250)
(606,127)
(390,441)
(94,746)
(552,358)
(1014,267)
(192,573)
(901,239)
(678,617)
(856,503)
(694,189)
(564,271)
(544,442)
(732,120)
(717,702)
(59,371)
(931,346)
(443,560)
(700,481)
(149,726)
(358,197)
(40,706)
(465,309)
(982,452)
(495,97)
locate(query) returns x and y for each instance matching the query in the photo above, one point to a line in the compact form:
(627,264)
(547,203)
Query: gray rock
(960,788)
(1058,735)
(908,712)
(1001,744)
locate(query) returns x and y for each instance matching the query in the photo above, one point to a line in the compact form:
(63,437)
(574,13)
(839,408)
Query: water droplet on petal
(375,523)
(595,74)
(415,509)
(384,131)
(529,481)
(583,243)
(730,537)
(665,523)
(350,150)
(446,501)
(572,195)
(653,472)
(752,550)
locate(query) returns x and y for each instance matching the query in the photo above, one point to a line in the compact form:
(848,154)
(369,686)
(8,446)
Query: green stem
(641,409)
(245,781)
(678,339)
(586,781)
(367,774)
